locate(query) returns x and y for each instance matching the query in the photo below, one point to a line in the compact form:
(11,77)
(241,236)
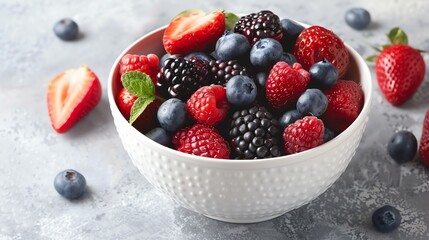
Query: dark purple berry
(386,219)
(66,29)
(70,184)
(402,146)
(312,102)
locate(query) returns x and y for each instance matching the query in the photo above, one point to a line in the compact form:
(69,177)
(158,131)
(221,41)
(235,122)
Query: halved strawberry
(72,95)
(193,31)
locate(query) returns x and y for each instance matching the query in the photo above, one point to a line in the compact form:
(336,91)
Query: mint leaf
(371,58)
(397,36)
(230,20)
(138,84)
(139,106)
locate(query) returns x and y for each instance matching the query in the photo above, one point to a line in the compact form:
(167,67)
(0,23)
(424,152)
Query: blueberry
(172,114)
(160,136)
(66,29)
(313,102)
(358,18)
(323,74)
(265,53)
(289,117)
(291,31)
(165,57)
(261,78)
(328,135)
(402,146)
(288,58)
(200,55)
(241,91)
(232,46)
(386,219)
(70,184)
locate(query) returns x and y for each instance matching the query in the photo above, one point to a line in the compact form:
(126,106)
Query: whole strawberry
(345,101)
(304,134)
(424,141)
(285,84)
(316,43)
(201,140)
(400,69)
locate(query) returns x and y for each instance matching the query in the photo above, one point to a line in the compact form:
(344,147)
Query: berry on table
(312,102)
(222,71)
(66,29)
(323,74)
(304,134)
(345,101)
(241,91)
(232,46)
(289,117)
(265,53)
(160,136)
(201,140)
(70,184)
(358,18)
(254,134)
(386,219)
(179,78)
(402,146)
(256,26)
(208,105)
(291,31)
(172,114)
(146,64)
(285,84)
(424,141)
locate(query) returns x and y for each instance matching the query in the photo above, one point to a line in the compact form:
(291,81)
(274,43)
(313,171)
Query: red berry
(400,69)
(71,96)
(147,64)
(285,84)
(193,31)
(317,43)
(147,120)
(208,105)
(304,134)
(345,101)
(201,140)
(424,141)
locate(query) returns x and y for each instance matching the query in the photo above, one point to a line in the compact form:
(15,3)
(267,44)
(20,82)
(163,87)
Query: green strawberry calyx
(396,36)
(140,85)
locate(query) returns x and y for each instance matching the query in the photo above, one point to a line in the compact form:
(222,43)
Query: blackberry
(179,78)
(255,26)
(222,71)
(254,134)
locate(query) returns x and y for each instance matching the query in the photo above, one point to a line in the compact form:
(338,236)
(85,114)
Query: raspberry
(302,135)
(208,105)
(424,141)
(254,133)
(179,78)
(256,26)
(345,101)
(147,64)
(201,140)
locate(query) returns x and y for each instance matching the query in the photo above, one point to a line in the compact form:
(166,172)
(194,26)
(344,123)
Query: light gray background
(121,204)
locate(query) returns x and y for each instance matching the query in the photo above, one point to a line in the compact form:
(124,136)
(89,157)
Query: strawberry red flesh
(71,96)
(193,32)
(424,141)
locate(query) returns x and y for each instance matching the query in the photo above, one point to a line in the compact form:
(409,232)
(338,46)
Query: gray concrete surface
(120,203)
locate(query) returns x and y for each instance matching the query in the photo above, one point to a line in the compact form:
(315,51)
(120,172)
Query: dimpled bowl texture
(239,191)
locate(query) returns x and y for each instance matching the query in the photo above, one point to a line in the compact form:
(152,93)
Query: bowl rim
(283,160)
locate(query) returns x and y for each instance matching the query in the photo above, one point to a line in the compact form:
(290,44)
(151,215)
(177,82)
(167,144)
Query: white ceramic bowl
(239,191)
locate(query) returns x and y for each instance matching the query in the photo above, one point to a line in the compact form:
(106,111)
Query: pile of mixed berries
(242,88)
